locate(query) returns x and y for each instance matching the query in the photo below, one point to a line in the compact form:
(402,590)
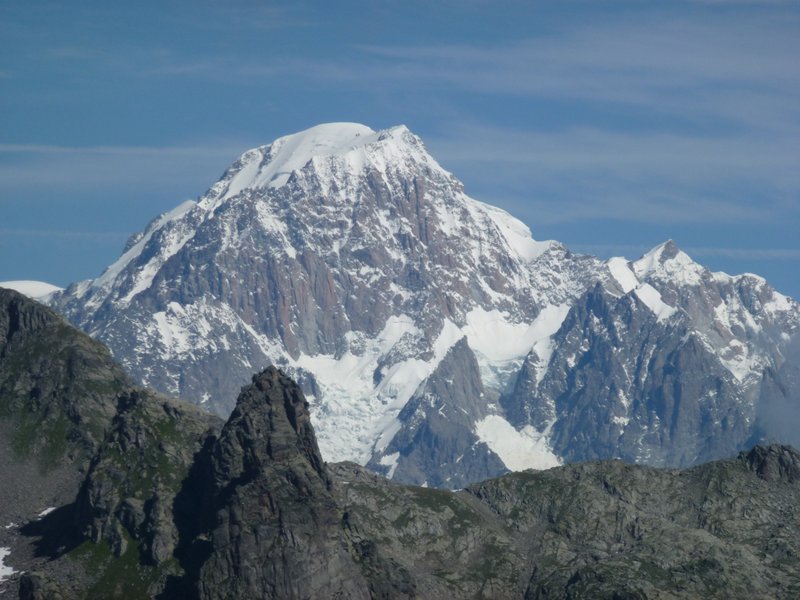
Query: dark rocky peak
(270,424)
(669,249)
(773,463)
(275,530)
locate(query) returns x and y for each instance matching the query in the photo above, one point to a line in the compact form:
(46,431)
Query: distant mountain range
(113,491)
(437,341)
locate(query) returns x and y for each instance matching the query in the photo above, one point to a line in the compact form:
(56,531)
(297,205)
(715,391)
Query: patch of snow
(46,512)
(777,304)
(544,351)
(499,343)
(448,337)
(516,234)
(357,415)
(353,408)
(622,396)
(276,226)
(180,330)
(387,432)
(652,299)
(679,268)
(390,460)
(175,239)
(5,570)
(740,361)
(621,271)
(494,335)
(36,290)
(722,314)
(519,450)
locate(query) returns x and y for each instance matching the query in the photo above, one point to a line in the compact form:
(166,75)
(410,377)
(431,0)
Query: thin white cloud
(242,15)
(633,251)
(720,3)
(101,236)
(638,205)
(73,53)
(579,175)
(729,69)
(76,169)
(692,68)
(207,151)
(766,254)
(680,154)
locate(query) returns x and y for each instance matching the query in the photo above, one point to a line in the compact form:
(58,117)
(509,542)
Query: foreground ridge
(174,504)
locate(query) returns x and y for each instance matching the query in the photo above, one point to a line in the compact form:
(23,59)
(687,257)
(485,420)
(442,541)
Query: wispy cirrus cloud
(633,251)
(766,254)
(740,69)
(64,234)
(654,177)
(41,168)
(727,69)
(650,118)
(157,151)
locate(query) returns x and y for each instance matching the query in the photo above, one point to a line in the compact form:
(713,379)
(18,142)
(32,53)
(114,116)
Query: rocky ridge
(57,399)
(170,504)
(91,463)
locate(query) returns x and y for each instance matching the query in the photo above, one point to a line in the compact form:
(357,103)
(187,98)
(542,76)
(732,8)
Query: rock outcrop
(58,390)
(276,529)
(57,386)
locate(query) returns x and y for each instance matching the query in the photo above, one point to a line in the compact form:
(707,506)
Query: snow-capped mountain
(36,290)
(664,364)
(437,341)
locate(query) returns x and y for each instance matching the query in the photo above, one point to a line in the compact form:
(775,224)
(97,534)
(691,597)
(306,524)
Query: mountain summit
(436,340)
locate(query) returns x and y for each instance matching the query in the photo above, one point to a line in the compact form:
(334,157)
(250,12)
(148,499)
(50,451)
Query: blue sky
(610,126)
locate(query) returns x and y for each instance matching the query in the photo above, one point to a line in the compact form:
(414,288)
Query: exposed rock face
(276,531)
(55,384)
(603,530)
(58,391)
(442,415)
(774,463)
(85,456)
(667,365)
(352,260)
(131,486)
